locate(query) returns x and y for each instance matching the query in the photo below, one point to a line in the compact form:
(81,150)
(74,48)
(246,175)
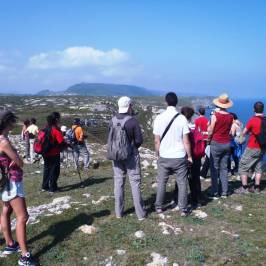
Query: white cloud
(80,56)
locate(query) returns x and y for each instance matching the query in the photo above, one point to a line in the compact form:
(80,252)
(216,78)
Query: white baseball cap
(123,104)
(63,128)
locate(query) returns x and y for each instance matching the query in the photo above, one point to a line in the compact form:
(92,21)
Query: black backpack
(261,137)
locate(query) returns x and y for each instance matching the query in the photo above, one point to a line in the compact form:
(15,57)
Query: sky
(202,47)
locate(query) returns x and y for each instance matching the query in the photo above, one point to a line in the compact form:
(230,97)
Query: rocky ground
(77,226)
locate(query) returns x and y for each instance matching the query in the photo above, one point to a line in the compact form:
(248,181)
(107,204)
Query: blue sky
(206,47)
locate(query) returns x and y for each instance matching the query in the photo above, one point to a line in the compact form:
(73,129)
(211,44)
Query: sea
(243,108)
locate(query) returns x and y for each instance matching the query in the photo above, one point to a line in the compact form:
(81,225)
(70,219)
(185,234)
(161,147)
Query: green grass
(56,240)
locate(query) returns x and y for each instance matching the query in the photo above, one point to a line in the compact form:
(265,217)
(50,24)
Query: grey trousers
(131,166)
(81,150)
(219,171)
(166,167)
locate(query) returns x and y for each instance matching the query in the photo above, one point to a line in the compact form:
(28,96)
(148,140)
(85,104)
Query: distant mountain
(102,89)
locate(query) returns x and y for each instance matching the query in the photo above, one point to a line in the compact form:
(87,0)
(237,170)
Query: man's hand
(190,161)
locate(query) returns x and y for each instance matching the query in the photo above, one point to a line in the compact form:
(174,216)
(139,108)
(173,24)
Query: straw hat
(223,101)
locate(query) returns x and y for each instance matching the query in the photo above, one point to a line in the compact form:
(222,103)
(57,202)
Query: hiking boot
(242,190)
(11,249)
(27,260)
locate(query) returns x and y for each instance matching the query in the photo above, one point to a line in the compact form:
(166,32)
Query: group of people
(179,151)
(180,144)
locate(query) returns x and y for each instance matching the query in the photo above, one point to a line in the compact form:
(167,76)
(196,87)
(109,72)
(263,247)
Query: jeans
(51,172)
(81,149)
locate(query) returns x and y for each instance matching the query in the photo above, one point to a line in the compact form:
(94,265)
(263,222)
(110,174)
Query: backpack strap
(169,125)
(122,121)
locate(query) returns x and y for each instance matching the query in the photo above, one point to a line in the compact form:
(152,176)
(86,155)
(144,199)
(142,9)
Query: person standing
(12,193)
(252,158)
(79,145)
(124,139)
(33,132)
(51,158)
(219,136)
(172,146)
(201,124)
(236,144)
(25,138)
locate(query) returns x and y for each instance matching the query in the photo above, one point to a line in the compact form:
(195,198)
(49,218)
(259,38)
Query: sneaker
(27,260)
(254,190)
(213,196)
(242,190)
(12,249)
(142,219)
(159,210)
(224,196)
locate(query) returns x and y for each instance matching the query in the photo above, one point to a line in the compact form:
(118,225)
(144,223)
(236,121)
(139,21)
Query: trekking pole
(80,179)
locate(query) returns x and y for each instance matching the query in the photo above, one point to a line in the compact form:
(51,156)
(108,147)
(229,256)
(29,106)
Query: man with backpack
(252,159)
(124,139)
(172,145)
(77,138)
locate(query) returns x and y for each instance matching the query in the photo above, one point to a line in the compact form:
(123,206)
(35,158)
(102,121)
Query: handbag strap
(169,125)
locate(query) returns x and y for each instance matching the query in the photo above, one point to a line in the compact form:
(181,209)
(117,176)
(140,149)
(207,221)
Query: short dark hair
(56,115)
(171,99)
(6,118)
(187,111)
(258,107)
(26,122)
(33,120)
(51,120)
(202,111)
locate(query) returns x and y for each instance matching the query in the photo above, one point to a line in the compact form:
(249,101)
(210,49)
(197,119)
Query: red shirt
(202,123)
(221,132)
(58,138)
(253,127)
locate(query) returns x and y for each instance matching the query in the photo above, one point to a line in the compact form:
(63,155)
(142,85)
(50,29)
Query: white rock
(88,229)
(239,208)
(139,234)
(200,214)
(87,195)
(158,260)
(167,228)
(120,252)
(102,198)
(154,185)
(230,234)
(61,200)
(162,216)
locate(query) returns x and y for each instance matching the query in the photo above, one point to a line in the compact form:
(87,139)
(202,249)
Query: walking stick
(80,179)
